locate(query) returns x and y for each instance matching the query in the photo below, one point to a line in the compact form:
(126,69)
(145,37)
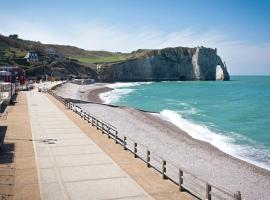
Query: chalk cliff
(180,63)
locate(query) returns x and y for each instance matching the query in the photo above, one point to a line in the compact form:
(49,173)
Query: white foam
(195,130)
(251,154)
(119,90)
(124,85)
(113,96)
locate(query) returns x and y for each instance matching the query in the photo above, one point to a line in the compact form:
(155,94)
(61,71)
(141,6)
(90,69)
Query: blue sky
(239,29)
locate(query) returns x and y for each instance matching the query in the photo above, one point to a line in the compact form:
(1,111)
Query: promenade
(70,165)
(51,153)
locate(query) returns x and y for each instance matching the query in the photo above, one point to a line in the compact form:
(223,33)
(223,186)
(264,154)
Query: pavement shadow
(7,153)
(3,108)
(6,149)
(14,99)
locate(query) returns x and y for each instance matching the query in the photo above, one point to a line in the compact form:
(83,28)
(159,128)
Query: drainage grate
(48,141)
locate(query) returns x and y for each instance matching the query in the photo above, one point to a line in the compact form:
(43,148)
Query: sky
(239,29)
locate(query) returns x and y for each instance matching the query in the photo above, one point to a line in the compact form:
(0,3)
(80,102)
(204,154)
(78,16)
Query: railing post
(148,158)
(181,181)
(82,114)
(125,143)
(109,136)
(208,192)
(97,124)
(92,121)
(102,128)
(116,137)
(163,169)
(135,149)
(237,195)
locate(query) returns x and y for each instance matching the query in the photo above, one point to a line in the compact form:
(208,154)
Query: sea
(233,116)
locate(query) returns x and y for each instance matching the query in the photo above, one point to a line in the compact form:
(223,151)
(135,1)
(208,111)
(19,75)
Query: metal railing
(180,176)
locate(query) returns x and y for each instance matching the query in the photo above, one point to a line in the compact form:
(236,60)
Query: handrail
(112,132)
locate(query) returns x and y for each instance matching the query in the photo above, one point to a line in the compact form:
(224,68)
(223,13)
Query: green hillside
(13,50)
(99,59)
(12,47)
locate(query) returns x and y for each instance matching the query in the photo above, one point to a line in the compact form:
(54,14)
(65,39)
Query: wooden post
(237,195)
(97,124)
(208,192)
(163,169)
(125,143)
(181,181)
(135,150)
(108,132)
(116,137)
(148,158)
(102,128)
(92,121)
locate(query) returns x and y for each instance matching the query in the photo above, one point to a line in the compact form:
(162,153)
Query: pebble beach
(175,145)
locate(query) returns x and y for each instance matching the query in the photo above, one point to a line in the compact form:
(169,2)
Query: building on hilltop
(49,54)
(33,56)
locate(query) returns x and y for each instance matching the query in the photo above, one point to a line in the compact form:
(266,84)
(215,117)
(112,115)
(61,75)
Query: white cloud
(242,57)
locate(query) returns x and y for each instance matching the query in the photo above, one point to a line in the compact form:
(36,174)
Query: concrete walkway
(18,171)
(70,165)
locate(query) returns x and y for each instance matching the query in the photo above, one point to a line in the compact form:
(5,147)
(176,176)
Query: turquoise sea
(234,116)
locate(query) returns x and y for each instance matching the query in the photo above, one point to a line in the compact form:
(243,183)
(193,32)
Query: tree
(13,36)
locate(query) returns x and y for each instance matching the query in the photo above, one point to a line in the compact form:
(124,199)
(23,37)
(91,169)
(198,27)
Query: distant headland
(62,62)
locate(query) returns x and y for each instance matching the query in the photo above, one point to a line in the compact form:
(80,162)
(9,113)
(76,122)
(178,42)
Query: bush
(13,36)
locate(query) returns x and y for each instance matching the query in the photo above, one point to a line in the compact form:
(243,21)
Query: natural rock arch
(221,71)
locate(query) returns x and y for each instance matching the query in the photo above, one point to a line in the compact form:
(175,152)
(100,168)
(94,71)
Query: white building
(32,56)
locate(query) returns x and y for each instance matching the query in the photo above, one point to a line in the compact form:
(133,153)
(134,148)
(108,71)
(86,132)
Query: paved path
(70,164)
(18,171)
(148,178)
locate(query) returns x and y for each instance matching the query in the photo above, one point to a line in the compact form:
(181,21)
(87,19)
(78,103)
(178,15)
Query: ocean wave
(119,90)
(113,96)
(125,85)
(258,155)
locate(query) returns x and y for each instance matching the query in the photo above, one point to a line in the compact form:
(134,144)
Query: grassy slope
(102,59)
(17,48)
